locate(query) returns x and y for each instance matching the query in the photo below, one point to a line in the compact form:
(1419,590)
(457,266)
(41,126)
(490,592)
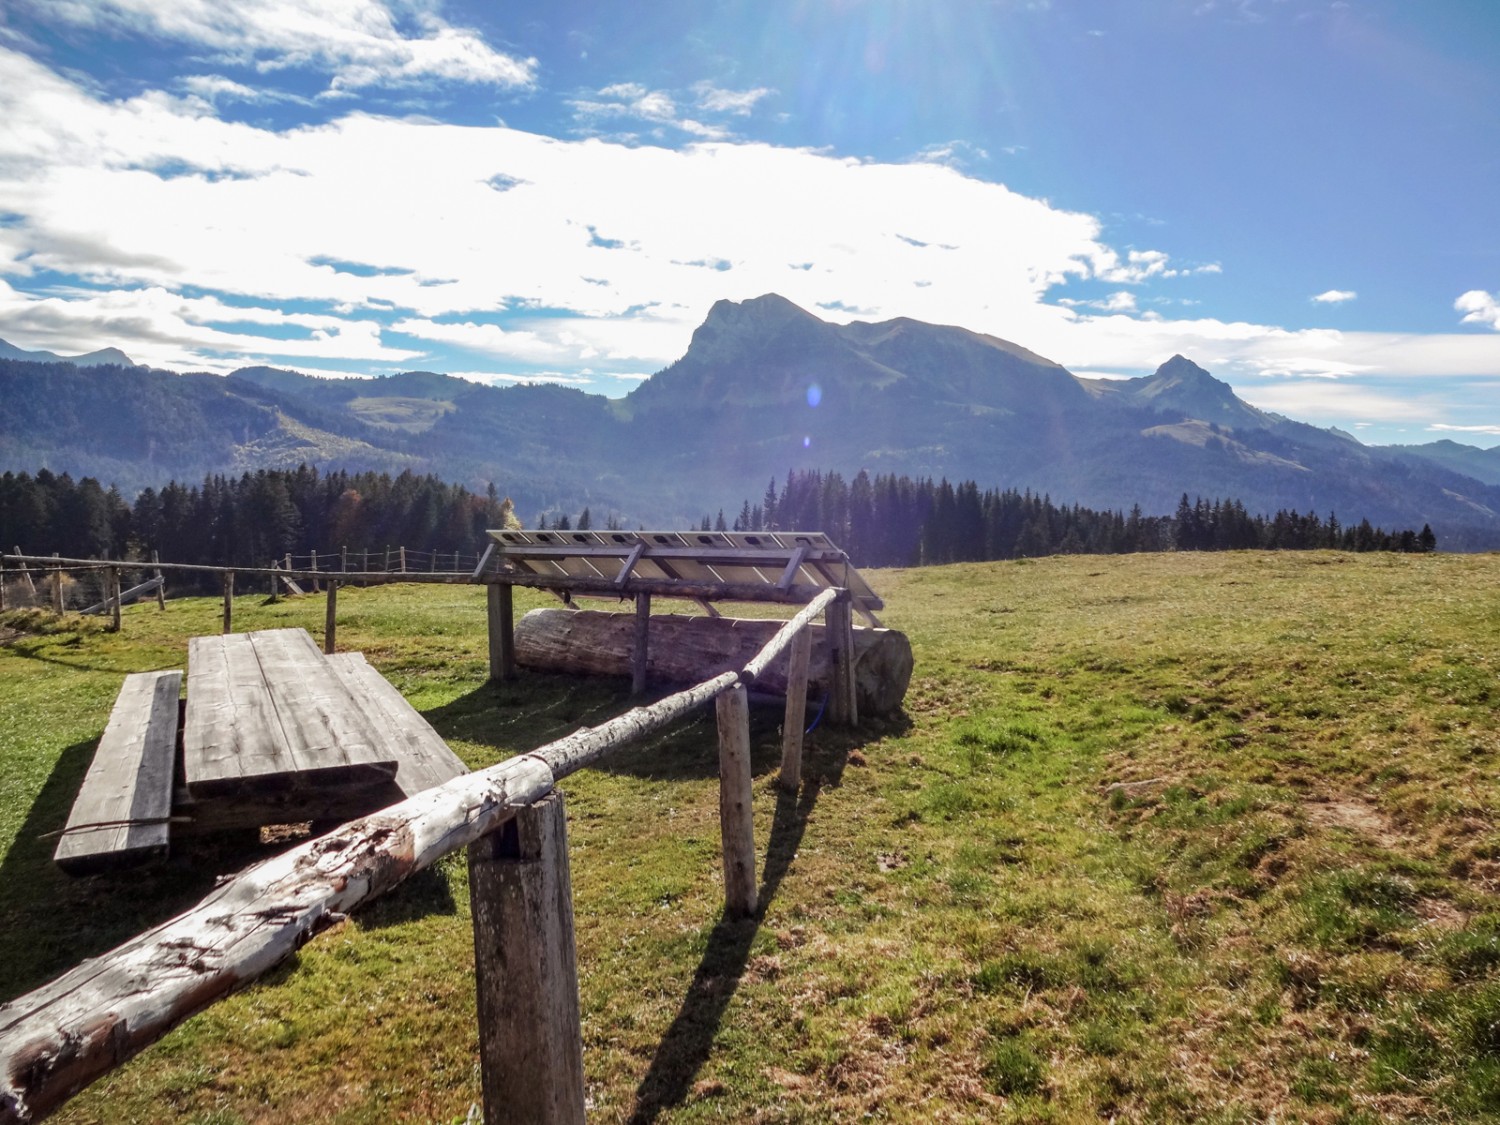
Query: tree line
(893,520)
(247,520)
(886,520)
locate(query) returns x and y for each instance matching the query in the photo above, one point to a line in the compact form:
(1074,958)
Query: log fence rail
(59,1038)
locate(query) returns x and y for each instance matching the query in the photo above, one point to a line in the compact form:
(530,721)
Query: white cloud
(1325,402)
(1334,296)
(1464,429)
(712,99)
(1480,307)
(357,41)
(151,196)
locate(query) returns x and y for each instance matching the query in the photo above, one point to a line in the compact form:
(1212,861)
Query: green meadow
(1183,837)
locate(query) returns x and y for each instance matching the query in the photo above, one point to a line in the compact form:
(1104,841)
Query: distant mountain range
(763,388)
(93,359)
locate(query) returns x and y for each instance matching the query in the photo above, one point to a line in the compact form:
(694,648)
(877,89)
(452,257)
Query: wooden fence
(319,573)
(56,1040)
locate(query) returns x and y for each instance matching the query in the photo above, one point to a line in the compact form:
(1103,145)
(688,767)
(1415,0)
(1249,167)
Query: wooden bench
(122,813)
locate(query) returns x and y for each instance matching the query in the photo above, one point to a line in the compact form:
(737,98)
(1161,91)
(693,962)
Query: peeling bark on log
(56,1040)
(686,649)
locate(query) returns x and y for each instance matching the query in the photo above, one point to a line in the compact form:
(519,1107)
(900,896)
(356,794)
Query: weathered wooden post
(329,623)
(526,969)
(2,585)
(365,566)
(114,596)
(314,569)
(161,589)
(840,631)
(26,578)
(387,567)
(228,601)
(796,710)
(736,821)
(403,559)
(502,628)
(639,652)
(344,559)
(57,591)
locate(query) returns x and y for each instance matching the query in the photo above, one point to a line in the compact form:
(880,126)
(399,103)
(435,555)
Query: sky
(1298,195)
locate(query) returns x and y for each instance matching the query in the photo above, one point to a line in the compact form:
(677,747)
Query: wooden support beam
(26,578)
(128,596)
(502,630)
(842,708)
(640,648)
(789,575)
(736,820)
(484,561)
(526,970)
(229,601)
(330,619)
(708,607)
(635,556)
(796,712)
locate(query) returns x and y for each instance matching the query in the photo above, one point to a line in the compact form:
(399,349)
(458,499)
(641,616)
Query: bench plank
(424,756)
(267,713)
(120,816)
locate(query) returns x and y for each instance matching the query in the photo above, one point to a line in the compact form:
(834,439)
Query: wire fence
(84,585)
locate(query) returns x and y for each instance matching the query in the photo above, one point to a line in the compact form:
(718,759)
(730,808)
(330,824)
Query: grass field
(1158,838)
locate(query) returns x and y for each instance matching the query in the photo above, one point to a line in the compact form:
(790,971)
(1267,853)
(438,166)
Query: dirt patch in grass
(1354,815)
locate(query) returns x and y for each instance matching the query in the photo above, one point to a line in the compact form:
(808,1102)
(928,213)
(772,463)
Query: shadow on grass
(54,921)
(687,1042)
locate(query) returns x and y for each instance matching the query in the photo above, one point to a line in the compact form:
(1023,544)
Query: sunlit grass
(1178,837)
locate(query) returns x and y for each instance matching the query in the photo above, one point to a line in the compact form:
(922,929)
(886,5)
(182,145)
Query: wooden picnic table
(273,732)
(266,712)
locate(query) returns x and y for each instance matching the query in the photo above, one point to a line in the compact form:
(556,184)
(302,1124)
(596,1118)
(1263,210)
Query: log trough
(686,650)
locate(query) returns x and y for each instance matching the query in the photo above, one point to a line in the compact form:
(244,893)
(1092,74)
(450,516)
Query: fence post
(796,710)
(114,595)
(57,593)
(161,590)
(329,624)
(365,567)
(839,623)
(639,653)
(502,631)
(526,969)
(387,558)
(403,559)
(344,559)
(26,577)
(736,822)
(314,569)
(2,585)
(228,601)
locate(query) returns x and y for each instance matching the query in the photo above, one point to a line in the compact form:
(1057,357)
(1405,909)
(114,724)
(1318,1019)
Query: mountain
(1481,464)
(764,387)
(92,359)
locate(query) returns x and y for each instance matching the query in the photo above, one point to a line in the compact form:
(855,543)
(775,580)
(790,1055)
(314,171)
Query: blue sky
(1297,194)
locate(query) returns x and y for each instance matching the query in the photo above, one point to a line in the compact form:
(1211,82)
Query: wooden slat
(120,815)
(266,712)
(231,731)
(424,758)
(331,740)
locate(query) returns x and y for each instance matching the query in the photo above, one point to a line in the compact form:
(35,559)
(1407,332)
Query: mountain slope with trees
(764,388)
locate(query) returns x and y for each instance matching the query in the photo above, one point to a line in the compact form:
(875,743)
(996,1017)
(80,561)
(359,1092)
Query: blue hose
(818,718)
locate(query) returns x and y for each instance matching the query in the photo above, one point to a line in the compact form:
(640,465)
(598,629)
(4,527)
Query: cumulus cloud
(522,250)
(359,42)
(1480,307)
(1334,296)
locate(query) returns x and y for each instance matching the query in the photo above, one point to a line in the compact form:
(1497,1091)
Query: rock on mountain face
(763,388)
(92,359)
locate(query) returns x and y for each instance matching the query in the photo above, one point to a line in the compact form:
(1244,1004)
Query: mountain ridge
(764,388)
